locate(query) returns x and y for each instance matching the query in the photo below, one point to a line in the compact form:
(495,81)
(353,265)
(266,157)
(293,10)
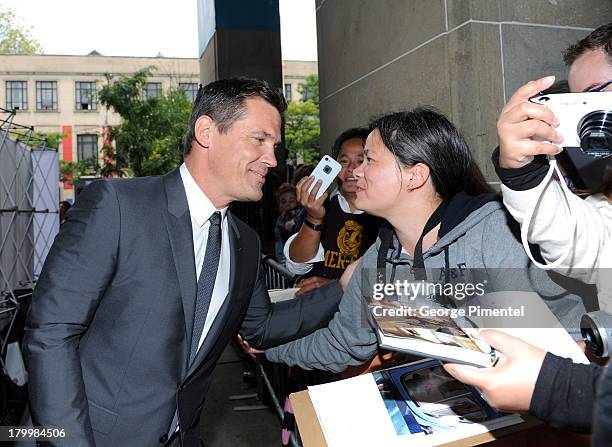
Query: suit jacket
(108,334)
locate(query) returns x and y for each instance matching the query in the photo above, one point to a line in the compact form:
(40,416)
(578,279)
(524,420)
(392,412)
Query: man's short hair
(223,101)
(600,38)
(356,132)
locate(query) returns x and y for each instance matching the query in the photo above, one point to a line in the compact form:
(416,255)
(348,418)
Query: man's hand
(308,284)
(524,127)
(315,212)
(510,384)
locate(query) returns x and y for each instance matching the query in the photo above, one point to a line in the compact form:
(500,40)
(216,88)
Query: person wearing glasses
(529,379)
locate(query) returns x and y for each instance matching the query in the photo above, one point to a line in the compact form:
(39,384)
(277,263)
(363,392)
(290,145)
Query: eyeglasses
(605,87)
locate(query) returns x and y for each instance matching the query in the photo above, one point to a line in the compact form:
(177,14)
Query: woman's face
(379,179)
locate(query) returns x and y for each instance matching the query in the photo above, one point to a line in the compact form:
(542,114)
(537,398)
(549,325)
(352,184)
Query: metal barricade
(275,380)
(14,305)
(277,276)
(29,207)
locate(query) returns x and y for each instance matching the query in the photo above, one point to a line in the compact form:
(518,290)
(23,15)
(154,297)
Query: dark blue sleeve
(77,270)
(267,325)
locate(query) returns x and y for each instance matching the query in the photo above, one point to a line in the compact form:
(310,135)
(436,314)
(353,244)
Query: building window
(86,96)
(87,147)
(46,95)
(190,89)
(151,90)
(17,95)
(288,92)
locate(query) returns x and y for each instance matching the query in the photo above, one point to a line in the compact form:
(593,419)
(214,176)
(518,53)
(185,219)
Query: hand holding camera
(527,129)
(290,214)
(585,120)
(532,124)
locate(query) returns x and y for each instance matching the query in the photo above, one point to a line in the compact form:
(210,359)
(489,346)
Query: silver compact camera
(585,120)
(596,329)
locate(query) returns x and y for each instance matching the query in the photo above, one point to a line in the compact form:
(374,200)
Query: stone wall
(464,57)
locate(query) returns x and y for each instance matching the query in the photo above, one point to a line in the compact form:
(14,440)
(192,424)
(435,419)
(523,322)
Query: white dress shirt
(200,209)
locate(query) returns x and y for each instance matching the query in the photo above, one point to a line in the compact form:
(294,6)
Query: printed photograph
(425,399)
(435,329)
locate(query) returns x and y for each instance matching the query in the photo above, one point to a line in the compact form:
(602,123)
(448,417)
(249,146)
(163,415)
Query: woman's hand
(510,384)
(315,212)
(524,128)
(246,347)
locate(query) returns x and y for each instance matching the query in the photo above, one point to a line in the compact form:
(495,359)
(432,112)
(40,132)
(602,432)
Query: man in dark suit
(150,278)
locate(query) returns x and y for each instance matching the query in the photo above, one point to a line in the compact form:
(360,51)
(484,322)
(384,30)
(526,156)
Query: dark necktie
(206,282)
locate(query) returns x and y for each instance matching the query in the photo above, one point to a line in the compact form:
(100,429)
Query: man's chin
(254,195)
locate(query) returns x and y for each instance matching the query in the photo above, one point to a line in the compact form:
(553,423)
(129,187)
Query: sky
(146,27)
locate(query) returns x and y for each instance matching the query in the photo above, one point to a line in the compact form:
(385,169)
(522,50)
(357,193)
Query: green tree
(148,140)
(69,170)
(37,140)
(302,124)
(302,132)
(16,38)
(74,170)
(310,89)
(53,140)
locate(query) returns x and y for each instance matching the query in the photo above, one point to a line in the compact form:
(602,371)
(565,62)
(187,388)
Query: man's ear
(417,176)
(203,130)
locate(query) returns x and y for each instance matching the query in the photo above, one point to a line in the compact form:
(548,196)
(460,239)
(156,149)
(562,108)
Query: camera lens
(596,330)
(327,169)
(595,132)
(592,340)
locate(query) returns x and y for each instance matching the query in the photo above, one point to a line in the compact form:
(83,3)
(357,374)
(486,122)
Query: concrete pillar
(239,38)
(464,57)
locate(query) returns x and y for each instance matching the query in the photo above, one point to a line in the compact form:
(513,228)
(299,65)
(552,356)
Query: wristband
(315,227)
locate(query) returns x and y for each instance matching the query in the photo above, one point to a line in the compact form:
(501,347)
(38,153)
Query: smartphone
(326,171)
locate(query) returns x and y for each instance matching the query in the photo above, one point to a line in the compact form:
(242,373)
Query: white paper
(278,295)
(351,413)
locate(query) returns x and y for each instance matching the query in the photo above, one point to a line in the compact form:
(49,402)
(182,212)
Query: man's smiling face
(240,158)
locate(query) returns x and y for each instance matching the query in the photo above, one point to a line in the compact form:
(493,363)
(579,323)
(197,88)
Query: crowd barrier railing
(276,381)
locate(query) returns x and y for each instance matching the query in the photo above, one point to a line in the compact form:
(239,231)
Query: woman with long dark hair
(419,175)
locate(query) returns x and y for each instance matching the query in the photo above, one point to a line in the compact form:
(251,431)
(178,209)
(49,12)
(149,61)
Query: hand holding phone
(311,189)
(326,171)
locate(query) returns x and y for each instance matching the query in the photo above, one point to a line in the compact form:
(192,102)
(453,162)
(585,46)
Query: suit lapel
(178,225)
(222,316)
